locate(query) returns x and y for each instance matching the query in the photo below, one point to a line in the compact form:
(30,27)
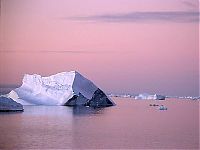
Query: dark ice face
(7,104)
(99,99)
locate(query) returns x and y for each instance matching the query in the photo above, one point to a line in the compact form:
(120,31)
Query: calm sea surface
(132,124)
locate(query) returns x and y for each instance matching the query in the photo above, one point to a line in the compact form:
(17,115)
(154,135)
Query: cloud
(44,51)
(162,16)
(190,4)
(59,51)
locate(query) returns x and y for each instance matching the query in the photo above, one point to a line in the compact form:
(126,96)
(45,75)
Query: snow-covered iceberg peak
(65,88)
(58,86)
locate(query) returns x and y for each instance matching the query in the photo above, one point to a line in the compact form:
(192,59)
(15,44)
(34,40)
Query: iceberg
(162,107)
(148,96)
(65,88)
(7,104)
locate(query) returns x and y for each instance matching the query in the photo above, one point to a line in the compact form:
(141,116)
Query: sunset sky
(123,46)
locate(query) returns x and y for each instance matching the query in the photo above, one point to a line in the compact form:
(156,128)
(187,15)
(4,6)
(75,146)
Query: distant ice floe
(121,95)
(146,96)
(149,96)
(143,96)
(162,107)
(185,97)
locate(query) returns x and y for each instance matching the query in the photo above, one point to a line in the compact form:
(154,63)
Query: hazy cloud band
(63,51)
(176,16)
(44,51)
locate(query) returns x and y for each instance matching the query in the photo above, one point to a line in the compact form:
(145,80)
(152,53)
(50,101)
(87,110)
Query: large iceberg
(65,88)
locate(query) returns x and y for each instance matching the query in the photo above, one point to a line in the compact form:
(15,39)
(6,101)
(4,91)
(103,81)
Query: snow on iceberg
(148,96)
(65,88)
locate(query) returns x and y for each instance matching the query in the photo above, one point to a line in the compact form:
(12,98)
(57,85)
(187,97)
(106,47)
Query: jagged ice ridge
(65,88)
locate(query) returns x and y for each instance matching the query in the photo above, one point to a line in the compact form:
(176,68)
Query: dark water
(129,125)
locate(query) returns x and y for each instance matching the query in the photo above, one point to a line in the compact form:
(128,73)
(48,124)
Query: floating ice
(7,104)
(65,88)
(162,107)
(148,96)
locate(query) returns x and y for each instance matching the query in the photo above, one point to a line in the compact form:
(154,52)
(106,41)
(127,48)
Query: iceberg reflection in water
(82,110)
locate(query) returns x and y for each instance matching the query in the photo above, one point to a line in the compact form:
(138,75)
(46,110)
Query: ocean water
(131,124)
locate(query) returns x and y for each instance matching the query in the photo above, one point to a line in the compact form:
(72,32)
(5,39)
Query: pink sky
(157,53)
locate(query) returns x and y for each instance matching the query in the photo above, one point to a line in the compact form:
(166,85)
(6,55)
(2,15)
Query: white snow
(148,96)
(12,95)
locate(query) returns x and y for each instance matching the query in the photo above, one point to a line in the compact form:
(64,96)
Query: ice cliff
(65,88)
